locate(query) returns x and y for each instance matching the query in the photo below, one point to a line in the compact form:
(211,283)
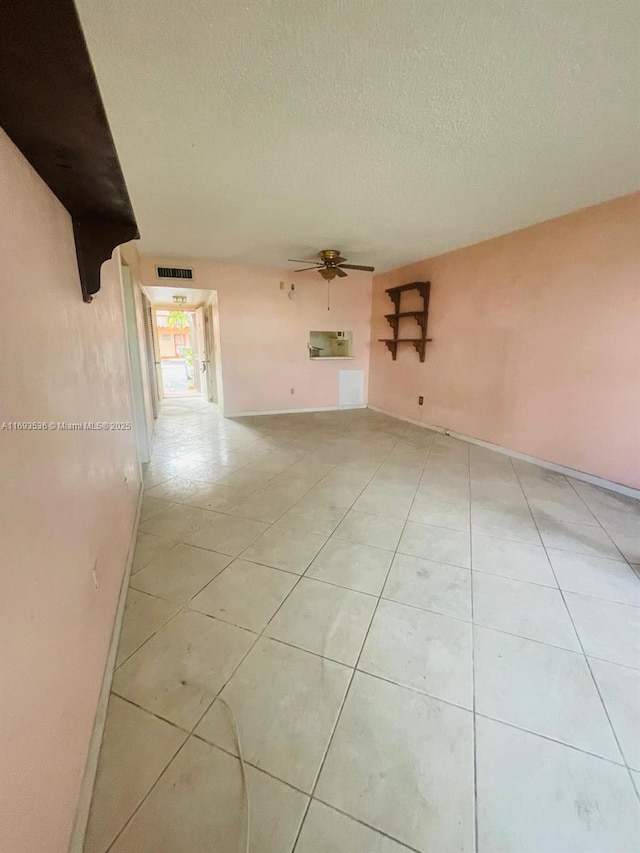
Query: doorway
(179,351)
(185,341)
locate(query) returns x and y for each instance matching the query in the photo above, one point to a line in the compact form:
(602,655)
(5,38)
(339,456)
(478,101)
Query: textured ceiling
(256,130)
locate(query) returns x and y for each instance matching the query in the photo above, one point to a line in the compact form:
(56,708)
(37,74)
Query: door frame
(170,306)
(135,363)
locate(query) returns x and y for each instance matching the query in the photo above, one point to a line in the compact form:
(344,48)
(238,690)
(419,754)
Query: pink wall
(264,335)
(67,506)
(535,342)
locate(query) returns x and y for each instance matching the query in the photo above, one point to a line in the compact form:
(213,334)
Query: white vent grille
(175,272)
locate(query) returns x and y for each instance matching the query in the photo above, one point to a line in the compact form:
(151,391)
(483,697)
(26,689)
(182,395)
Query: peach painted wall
(264,335)
(535,342)
(67,507)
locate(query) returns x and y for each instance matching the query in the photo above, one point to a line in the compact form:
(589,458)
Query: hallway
(425,644)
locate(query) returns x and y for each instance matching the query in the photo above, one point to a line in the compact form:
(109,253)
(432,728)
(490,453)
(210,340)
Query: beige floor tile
(579,538)
(245,594)
(228,535)
(619,687)
(180,573)
(327,831)
(216,497)
(136,747)
(596,576)
(543,689)
(177,489)
(386,499)
(178,522)
(433,586)
(262,505)
(325,619)
(513,522)
(403,763)
(153,476)
(397,476)
(179,671)
(143,615)
(336,492)
(422,650)
(442,513)
(526,609)
(536,795)
(312,517)
(627,541)
(285,486)
(149,546)
(521,561)
(245,480)
(198,806)
(351,565)
(285,702)
(291,550)
(310,468)
(436,543)
(368,529)
(569,508)
(152,506)
(607,630)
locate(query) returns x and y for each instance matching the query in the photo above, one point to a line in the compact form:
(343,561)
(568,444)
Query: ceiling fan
(330,265)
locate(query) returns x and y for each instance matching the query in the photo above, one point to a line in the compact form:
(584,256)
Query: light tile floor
(426,646)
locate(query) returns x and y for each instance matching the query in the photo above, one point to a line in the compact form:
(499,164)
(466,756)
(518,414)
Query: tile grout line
(355,666)
(579,638)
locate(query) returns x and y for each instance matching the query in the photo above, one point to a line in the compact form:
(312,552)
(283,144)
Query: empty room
(320,426)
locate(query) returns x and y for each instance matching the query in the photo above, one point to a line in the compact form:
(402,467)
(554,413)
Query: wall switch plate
(420,400)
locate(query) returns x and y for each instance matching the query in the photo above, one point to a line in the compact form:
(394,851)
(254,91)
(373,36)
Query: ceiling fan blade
(357,267)
(340,272)
(304,261)
(304,269)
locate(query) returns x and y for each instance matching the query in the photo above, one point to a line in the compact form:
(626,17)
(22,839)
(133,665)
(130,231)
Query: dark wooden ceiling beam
(50,106)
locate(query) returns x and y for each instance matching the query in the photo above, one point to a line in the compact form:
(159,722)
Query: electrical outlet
(420,400)
(293,390)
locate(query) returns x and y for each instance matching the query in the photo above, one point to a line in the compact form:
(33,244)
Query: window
(166,338)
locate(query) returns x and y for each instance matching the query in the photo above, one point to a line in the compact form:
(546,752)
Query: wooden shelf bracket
(420,317)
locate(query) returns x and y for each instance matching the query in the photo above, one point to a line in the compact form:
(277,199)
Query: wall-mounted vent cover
(175,272)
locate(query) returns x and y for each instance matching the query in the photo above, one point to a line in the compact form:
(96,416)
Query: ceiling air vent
(175,272)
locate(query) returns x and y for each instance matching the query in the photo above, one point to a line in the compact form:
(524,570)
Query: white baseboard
(551,466)
(88,780)
(292,411)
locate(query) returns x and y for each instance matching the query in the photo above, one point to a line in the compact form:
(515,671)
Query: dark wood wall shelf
(50,106)
(421,318)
